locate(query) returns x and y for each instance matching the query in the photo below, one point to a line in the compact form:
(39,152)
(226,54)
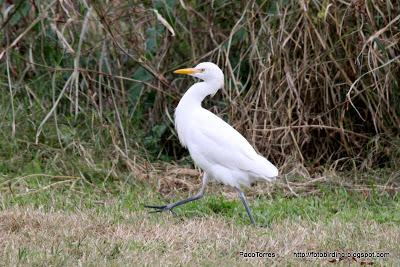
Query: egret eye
(202,70)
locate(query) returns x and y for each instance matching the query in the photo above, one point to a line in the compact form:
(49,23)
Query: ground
(106,224)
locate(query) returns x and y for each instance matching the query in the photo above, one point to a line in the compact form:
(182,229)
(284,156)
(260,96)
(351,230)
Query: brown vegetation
(306,81)
(34,237)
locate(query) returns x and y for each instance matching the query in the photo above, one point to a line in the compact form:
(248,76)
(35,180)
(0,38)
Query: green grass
(115,198)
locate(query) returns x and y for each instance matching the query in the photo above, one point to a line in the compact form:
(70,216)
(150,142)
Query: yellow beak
(187,71)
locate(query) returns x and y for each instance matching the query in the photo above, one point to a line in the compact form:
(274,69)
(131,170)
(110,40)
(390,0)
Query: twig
(282,128)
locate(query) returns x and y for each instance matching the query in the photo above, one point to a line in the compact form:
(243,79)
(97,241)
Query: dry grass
(30,237)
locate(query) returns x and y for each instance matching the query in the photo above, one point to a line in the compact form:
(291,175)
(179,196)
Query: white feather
(217,148)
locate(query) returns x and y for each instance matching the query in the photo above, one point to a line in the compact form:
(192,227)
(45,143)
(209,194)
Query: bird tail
(265,169)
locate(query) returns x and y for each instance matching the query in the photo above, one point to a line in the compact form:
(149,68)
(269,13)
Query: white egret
(218,149)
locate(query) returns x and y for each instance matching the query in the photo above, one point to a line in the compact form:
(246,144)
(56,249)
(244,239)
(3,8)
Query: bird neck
(197,92)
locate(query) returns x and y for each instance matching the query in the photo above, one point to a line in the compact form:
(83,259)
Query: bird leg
(246,206)
(170,206)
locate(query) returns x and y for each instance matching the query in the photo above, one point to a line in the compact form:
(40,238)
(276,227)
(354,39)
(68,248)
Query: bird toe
(157,209)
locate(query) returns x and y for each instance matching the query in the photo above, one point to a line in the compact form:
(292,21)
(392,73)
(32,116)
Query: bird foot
(157,209)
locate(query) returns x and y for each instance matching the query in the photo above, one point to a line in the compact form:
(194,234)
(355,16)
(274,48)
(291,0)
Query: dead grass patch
(30,236)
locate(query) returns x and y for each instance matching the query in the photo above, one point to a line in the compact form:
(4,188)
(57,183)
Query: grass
(106,224)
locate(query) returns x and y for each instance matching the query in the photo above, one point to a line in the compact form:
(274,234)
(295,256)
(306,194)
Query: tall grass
(312,82)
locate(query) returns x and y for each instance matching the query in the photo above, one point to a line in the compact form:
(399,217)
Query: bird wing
(220,143)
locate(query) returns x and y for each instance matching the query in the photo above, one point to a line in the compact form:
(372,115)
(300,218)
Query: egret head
(206,71)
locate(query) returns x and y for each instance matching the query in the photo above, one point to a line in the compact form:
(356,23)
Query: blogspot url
(338,254)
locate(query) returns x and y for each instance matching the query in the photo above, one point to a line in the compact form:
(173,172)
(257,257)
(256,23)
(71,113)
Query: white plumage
(217,148)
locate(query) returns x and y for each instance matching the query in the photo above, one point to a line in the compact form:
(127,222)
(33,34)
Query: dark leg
(246,206)
(170,206)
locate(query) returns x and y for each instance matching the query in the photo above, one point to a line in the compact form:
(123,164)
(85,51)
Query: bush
(309,81)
